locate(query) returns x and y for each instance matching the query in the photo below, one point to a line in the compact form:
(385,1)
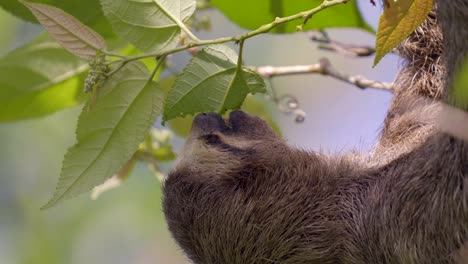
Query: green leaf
(211,82)
(38,79)
(67,30)
(87,11)
(109,133)
(398,21)
(150,25)
(253,14)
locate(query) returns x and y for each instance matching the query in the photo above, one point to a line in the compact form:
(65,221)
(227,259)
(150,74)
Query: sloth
(240,194)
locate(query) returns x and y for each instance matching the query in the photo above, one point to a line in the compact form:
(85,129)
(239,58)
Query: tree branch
(324,67)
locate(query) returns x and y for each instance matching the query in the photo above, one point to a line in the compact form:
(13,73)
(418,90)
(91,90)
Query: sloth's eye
(215,141)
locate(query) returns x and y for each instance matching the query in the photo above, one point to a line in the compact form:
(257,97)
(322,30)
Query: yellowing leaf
(399,20)
(74,36)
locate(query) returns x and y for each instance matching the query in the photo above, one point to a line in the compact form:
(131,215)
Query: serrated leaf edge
(101,44)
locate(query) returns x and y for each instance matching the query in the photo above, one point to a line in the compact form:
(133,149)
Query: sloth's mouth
(227,122)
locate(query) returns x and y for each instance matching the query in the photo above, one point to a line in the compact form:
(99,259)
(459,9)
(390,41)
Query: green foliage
(149,25)
(211,82)
(109,131)
(253,14)
(38,79)
(399,20)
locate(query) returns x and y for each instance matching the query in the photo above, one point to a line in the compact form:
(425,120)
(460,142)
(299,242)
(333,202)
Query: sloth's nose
(209,122)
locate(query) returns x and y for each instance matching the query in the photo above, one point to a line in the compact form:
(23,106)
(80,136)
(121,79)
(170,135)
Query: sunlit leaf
(211,82)
(253,14)
(67,30)
(398,21)
(130,50)
(109,132)
(39,78)
(181,125)
(150,25)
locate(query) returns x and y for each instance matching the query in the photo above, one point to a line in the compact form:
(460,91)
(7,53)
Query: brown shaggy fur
(239,194)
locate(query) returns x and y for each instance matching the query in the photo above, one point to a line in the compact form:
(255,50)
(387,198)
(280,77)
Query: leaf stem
(239,38)
(239,59)
(177,21)
(187,31)
(160,62)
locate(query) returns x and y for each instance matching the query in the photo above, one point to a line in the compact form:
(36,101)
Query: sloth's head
(216,145)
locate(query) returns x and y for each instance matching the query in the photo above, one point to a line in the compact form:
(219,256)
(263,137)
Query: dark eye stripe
(215,141)
(212,139)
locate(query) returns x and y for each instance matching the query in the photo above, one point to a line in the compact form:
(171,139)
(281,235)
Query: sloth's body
(239,194)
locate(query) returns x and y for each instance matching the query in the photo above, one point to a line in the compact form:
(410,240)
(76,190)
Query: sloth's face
(218,145)
(239,130)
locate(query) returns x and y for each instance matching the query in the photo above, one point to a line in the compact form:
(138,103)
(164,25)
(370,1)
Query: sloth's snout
(238,122)
(210,122)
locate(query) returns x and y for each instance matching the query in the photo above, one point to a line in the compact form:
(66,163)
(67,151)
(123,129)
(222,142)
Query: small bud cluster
(97,73)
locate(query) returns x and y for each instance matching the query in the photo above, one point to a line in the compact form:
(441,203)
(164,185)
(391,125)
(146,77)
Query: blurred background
(126,225)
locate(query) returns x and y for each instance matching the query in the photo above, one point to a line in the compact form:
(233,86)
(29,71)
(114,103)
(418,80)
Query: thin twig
(325,43)
(261,30)
(324,67)
(118,68)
